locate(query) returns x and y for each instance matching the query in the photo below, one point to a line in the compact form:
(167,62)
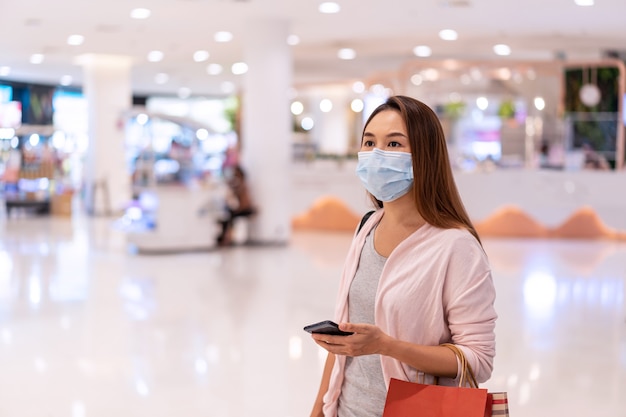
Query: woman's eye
(368,143)
(394,144)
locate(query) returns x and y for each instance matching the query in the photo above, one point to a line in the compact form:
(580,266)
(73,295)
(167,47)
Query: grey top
(363,391)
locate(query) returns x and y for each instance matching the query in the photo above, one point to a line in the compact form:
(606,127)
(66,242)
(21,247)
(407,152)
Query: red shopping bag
(409,399)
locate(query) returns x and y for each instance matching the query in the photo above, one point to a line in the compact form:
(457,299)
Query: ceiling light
(161,78)
(239,68)
(482,103)
(357,105)
(448,35)
(307,123)
(214,69)
(223,36)
(75,40)
(329,7)
(293,40)
(346,53)
(584,2)
(358,87)
(4,71)
(417,79)
(66,80)
(326,105)
(297,108)
(540,103)
(201,56)
(430,74)
(184,92)
(422,51)
(36,58)
(140,13)
(155,56)
(504,73)
(502,50)
(227,87)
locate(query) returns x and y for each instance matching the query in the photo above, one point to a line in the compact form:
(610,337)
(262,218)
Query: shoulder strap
(364,219)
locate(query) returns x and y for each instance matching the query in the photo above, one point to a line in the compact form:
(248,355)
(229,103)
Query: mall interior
(121,295)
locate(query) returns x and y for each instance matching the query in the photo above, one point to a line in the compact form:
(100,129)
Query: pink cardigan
(435,287)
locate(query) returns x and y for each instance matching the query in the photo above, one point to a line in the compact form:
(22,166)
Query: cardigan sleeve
(468,301)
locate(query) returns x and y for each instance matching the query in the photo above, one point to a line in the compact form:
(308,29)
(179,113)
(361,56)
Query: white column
(107,88)
(266,132)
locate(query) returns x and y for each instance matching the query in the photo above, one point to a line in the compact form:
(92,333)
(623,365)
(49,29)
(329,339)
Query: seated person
(238,204)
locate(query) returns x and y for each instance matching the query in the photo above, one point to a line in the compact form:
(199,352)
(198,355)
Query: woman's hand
(366,340)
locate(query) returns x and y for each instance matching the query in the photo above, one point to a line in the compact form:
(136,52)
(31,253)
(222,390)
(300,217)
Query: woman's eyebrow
(389,135)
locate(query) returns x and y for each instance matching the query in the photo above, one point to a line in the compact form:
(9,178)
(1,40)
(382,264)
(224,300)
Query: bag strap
(467,376)
(364,219)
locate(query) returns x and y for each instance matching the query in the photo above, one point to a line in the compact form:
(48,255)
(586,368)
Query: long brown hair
(437,198)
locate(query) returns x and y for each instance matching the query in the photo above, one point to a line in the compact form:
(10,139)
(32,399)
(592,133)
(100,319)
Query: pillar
(107,89)
(266,148)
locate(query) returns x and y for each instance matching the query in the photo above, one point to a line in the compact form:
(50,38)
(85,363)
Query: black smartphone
(326,327)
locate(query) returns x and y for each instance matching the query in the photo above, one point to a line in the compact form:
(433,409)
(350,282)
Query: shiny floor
(88,329)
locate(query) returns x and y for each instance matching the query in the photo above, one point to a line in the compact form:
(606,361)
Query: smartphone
(326,327)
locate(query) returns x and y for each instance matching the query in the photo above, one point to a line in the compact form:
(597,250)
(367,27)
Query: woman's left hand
(367,339)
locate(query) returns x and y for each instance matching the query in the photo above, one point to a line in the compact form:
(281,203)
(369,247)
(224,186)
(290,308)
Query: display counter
(185,218)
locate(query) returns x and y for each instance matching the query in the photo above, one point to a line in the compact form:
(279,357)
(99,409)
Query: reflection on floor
(89,330)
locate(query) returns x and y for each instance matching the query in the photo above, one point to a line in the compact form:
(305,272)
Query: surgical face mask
(386,175)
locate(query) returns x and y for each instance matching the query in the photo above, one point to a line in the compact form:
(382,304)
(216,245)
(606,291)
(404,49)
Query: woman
(415,277)
(239,204)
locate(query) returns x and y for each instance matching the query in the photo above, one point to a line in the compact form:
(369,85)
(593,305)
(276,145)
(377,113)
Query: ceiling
(383,34)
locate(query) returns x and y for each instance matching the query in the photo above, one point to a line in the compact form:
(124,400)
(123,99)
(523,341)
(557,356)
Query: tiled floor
(90,330)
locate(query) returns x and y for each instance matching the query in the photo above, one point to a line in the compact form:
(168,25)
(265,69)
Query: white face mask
(386,175)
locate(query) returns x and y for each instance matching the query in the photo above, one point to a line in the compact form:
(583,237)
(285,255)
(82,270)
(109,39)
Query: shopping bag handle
(467,376)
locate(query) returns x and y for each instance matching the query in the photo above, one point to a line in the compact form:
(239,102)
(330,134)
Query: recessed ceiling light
(326,105)
(422,51)
(293,40)
(346,53)
(36,58)
(358,87)
(75,40)
(223,36)
(66,80)
(448,35)
(184,92)
(584,2)
(430,74)
(504,73)
(297,108)
(140,13)
(357,105)
(502,50)
(329,7)
(4,71)
(540,103)
(161,78)
(214,69)
(239,68)
(417,79)
(227,87)
(201,56)
(155,56)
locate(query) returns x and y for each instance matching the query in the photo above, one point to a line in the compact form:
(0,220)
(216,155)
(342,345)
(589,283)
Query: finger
(353,327)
